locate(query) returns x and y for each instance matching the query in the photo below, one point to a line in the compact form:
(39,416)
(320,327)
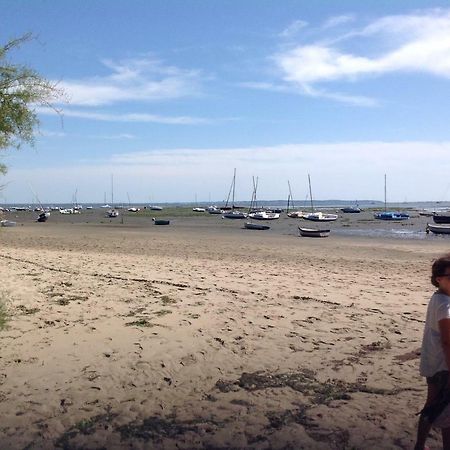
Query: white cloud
(144,79)
(347,170)
(411,43)
(419,43)
(128,117)
(311,91)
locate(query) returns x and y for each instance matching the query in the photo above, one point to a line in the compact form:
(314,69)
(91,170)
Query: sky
(168,97)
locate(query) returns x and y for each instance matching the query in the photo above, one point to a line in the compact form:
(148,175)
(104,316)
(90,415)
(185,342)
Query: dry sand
(160,338)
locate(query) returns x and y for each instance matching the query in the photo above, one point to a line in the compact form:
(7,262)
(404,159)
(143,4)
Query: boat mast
(310,193)
(112,190)
(385,204)
(290,198)
(234,184)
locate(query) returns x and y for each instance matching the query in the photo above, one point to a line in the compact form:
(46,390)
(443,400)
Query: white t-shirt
(432,359)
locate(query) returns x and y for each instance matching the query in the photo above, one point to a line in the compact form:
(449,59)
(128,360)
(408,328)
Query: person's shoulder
(440,298)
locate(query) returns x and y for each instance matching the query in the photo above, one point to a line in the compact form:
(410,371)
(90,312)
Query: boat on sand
(317,216)
(256,226)
(313,232)
(437,229)
(161,221)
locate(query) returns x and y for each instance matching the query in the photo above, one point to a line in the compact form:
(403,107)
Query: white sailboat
(112,213)
(318,216)
(292,214)
(252,215)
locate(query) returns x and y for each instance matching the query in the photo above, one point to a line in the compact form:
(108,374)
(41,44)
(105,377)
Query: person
(435,357)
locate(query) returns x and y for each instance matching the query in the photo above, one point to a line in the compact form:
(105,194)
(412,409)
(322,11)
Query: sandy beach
(192,337)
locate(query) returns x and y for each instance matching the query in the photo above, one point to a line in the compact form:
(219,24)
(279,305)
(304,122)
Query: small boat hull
(256,226)
(43,217)
(234,215)
(440,218)
(321,217)
(161,221)
(391,216)
(7,223)
(264,215)
(438,229)
(351,210)
(313,232)
(295,214)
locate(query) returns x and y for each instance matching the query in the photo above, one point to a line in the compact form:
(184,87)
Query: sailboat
(112,213)
(351,209)
(252,215)
(390,215)
(44,214)
(196,208)
(290,202)
(318,216)
(233,214)
(131,208)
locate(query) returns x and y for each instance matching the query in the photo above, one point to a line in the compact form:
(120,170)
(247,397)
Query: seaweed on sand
(303,381)
(3,315)
(84,426)
(155,427)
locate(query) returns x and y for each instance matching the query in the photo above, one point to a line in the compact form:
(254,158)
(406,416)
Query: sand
(202,337)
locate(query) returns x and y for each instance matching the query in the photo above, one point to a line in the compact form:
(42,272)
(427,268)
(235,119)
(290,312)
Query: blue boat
(390,215)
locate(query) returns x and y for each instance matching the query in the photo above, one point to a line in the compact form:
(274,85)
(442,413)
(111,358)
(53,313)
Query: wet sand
(198,336)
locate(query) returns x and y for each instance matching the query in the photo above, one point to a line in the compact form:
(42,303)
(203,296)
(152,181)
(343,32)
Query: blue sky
(171,96)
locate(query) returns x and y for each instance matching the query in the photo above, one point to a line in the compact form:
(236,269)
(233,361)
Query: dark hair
(438,268)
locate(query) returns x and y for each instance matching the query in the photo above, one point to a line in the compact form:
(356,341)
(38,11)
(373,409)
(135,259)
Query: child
(435,357)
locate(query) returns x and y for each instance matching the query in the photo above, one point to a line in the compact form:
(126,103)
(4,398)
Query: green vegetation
(21,90)
(3,315)
(166,300)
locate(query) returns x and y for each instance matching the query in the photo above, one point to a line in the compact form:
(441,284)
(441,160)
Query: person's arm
(444,329)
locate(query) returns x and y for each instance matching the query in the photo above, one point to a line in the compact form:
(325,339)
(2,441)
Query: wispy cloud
(143,80)
(338,20)
(292,30)
(411,43)
(49,133)
(129,117)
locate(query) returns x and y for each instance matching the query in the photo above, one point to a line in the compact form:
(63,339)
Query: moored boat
(391,215)
(256,226)
(313,232)
(321,217)
(112,213)
(441,218)
(213,209)
(437,229)
(351,210)
(234,215)
(264,215)
(7,223)
(43,216)
(295,214)
(161,221)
